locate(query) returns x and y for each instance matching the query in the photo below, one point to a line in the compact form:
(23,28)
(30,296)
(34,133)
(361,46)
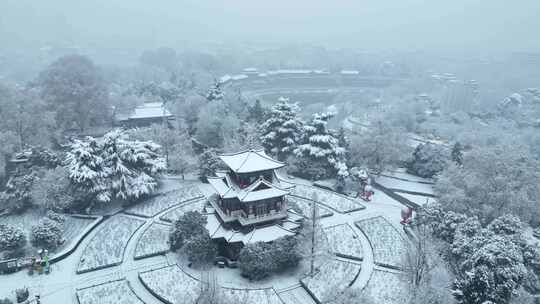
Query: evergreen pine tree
(320,146)
(457,153)
(215,92)
(281,130)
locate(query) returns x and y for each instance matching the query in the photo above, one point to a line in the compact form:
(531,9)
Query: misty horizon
(410,25)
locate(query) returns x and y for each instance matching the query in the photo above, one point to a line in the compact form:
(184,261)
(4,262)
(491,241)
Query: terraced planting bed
(304,206)
(171,285)
(177,212)
(344,241)
(113,292)
(332,277)
(153,241)
(296,295)
(387,287)
(106,248)
(333,200)
(251,296)
(388,245)
(164,201)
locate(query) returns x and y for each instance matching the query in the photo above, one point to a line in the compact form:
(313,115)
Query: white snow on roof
(250,70)
(268,234)
(248,194)
(150,110)
(225,78)
(250,161)
(218,184)
(239,77)
(279,72)
(263,194)
(349,72)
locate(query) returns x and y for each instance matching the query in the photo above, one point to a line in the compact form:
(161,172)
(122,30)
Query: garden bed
(387,287)
(332,278)
(106,248)
(112,292)
(296,295)
(171,285)
(73,229)
(161,202)
(177,212)
(344,241)
(153,241)
(251,296)
(333,200)
(388,245)
(305,207)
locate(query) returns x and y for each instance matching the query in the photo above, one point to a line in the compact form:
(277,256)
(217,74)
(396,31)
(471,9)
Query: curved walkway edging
(67,252)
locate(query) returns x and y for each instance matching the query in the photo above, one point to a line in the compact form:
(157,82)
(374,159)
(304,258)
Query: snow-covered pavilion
(249,192)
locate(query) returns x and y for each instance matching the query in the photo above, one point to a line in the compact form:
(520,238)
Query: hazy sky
(499,25)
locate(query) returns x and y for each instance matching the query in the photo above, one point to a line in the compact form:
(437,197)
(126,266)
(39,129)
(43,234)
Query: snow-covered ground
(388,244)
(153,241)
(118,239)
(336,201)
(107,247)
(165,201)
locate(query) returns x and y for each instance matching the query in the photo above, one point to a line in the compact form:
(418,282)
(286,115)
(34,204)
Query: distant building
(145,115)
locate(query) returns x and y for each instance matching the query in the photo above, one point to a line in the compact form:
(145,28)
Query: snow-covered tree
(215,92)
(281,130)
(46,234)
(11,238)
(493,272)
(209,162)
(200,249)
(379,147)
(86,166)
(188,225)
(130,166)
(114,166)
(255,261)
(428,160)
(319,145)
(52,191)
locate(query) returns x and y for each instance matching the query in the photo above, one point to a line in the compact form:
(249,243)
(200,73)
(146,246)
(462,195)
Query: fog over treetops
(461,25)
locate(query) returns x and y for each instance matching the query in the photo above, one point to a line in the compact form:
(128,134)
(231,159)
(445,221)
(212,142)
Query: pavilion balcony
(251,219)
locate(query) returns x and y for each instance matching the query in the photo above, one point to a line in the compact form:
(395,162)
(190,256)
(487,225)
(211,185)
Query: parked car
(222,261)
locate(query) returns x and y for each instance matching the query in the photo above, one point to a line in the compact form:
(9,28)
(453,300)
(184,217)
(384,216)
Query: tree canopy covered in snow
(114,167)
(282,129)
(320,145)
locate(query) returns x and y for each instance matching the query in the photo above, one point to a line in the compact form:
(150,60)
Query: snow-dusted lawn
(177,212)
(107,246)
(153,241)
(248,296)
(163,201)
(387,287)
(114,292)
(333,200)
(333,277)
(388,245)
(344,241)
(72,229)
(295,296)
(305,206)
(171,284)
